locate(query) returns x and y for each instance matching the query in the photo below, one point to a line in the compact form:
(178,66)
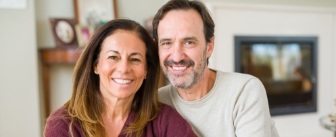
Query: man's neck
(201,88)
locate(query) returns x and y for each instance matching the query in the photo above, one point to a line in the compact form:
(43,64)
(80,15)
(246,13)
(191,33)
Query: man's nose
(177,53)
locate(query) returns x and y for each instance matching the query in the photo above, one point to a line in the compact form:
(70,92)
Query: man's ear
(210,46)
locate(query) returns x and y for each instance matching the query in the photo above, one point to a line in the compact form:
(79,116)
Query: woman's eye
(135,61)
(113,57)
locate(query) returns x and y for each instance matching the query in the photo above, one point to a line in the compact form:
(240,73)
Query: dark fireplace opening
(287,66)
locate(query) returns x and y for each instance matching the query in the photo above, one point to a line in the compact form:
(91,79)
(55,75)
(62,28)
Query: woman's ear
(95,69)
(146,75)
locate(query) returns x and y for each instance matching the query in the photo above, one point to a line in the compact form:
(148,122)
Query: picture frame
(94,12)
(63,31)
(83,33)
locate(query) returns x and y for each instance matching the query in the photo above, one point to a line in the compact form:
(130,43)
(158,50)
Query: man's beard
(187,80)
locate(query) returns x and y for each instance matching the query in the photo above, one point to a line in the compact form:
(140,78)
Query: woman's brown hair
(86,104)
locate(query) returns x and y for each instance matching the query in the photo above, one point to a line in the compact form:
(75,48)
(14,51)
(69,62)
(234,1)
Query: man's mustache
(182,62)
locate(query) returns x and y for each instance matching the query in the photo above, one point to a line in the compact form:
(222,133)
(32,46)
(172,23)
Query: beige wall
(19,93)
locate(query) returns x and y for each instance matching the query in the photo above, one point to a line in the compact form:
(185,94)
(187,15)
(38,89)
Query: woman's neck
(117,109)
(115,115)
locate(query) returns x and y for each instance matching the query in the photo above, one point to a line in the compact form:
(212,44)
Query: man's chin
(179,83)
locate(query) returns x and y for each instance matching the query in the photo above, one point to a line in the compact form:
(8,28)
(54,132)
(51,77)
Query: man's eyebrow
(163,40)
(190,38)
(184,39)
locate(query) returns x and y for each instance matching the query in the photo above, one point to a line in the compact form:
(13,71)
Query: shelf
(62,55)
(55,56)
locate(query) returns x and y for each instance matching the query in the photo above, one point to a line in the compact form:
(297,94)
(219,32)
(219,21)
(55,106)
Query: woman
(115,89)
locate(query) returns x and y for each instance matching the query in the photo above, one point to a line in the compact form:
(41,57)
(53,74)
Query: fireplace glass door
(286,66)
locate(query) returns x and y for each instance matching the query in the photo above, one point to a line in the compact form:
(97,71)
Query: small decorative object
(328,122)
(94,12)
(83,34)
(63,31)
(332,118)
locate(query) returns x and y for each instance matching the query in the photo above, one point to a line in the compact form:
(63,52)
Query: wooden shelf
(55,56)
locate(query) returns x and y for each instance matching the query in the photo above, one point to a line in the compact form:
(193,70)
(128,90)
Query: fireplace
(287,66)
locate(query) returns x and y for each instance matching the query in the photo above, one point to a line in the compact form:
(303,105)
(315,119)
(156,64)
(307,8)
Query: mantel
(62,55)
(55,56)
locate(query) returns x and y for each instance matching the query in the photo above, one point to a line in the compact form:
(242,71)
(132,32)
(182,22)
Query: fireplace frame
(310,97)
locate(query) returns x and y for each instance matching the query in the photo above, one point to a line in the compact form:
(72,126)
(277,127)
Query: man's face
(183,50)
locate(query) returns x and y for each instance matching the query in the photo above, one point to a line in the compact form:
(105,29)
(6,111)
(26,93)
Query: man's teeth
(122,81)
(179,68)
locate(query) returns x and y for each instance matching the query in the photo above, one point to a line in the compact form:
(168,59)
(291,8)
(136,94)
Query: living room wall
(19,90)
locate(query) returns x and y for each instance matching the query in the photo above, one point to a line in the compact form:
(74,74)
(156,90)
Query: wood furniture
(55,56)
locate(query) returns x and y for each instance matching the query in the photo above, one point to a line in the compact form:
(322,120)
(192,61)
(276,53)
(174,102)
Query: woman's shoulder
(168,114)
(166,109)
(57,123)
(61,114)
(173,123)
(60,111)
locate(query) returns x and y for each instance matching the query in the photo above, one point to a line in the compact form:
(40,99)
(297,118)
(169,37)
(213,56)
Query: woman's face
(121,65)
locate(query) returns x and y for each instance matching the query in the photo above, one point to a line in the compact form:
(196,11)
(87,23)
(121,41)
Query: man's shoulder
(165,95)
(234,82)
(234,76)
(165,88)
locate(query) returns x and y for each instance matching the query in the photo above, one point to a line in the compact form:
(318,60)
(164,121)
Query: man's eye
(166,44)
(190,43)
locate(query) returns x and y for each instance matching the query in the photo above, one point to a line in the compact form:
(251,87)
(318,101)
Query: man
(217,104)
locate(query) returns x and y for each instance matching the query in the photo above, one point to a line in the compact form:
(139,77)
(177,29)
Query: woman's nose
(123,66)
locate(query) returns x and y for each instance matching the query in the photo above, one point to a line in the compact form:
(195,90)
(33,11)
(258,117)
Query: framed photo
(83,34)
(63,31)
(94,12)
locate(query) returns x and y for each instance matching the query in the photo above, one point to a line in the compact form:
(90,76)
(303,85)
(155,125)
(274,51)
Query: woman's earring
(96,72)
